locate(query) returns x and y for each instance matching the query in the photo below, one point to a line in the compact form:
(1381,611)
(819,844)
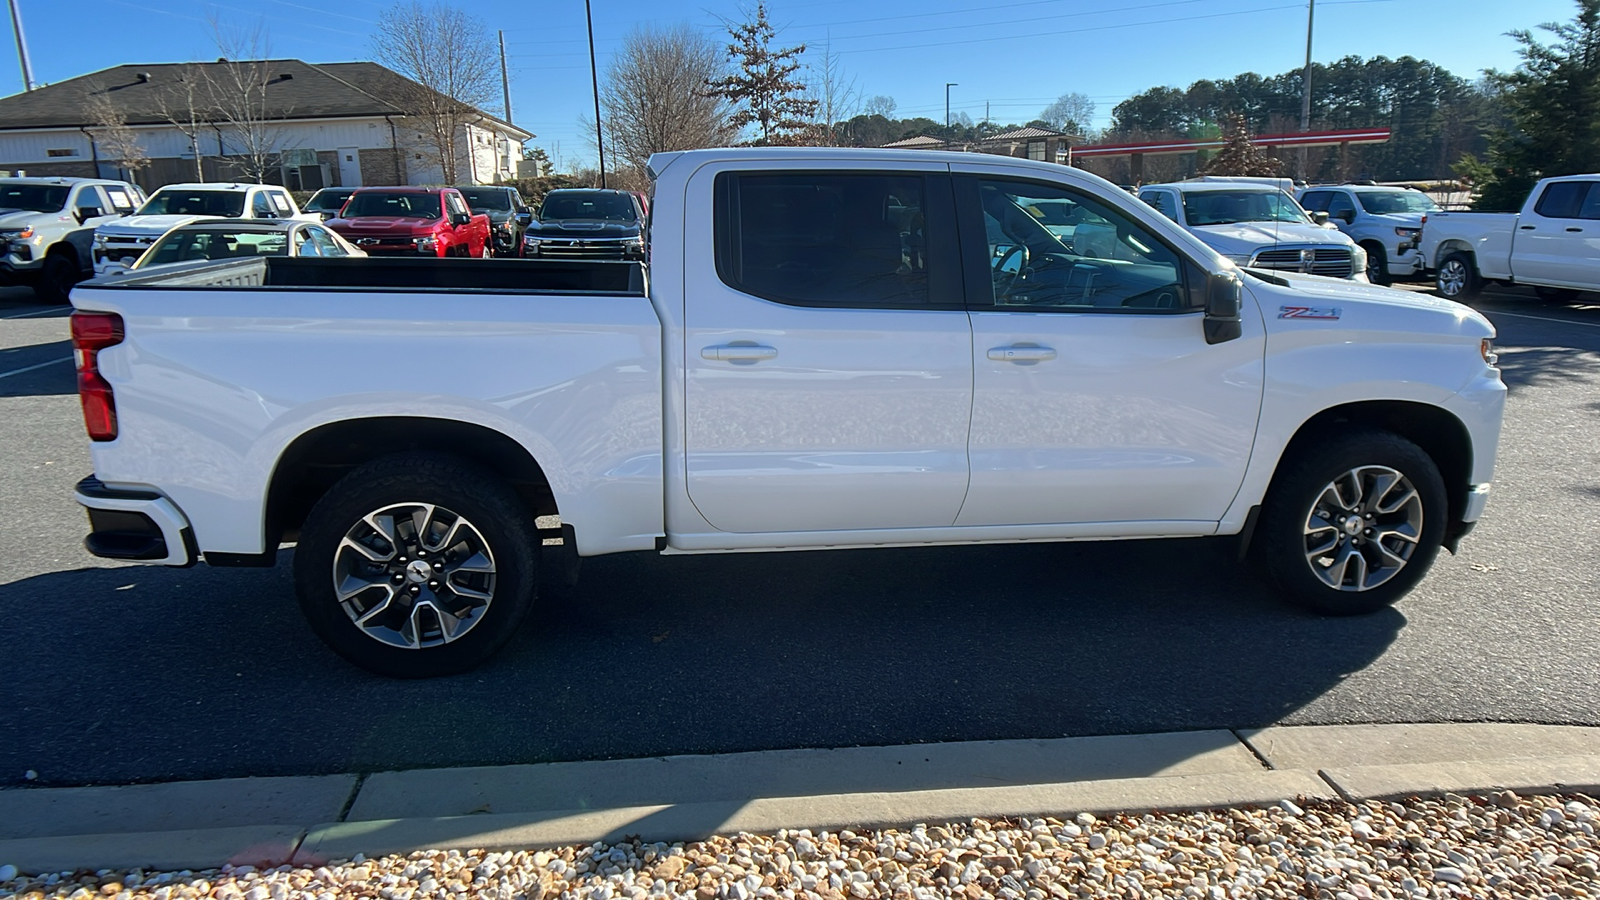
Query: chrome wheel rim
(1363,528)
(1452,278)
(414,575)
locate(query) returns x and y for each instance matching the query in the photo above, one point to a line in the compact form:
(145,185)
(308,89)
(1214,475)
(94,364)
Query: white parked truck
(47,226)
(1258,226)
(118,244)
(831,348)
(1553,245)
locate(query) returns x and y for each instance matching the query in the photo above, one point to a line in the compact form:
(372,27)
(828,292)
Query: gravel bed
(1498,845)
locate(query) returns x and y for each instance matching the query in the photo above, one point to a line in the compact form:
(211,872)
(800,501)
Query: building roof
(920,141)
(145,93)
(1026,134)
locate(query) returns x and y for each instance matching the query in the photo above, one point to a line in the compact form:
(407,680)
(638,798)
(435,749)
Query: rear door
(828,354)
(1555,244)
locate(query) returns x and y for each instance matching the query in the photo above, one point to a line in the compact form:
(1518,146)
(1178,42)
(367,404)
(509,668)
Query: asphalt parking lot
(117,673)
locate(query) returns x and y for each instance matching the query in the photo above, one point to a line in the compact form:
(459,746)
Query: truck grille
(113,250)
(1331,261)
(581,249)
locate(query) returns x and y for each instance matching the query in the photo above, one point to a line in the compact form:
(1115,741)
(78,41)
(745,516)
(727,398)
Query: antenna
(22,47)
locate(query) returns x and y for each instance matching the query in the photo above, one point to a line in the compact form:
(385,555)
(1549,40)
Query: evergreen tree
(1239,156)
(764,86)
(1553,102)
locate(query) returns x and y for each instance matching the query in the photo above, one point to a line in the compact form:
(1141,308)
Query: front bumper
(136,525)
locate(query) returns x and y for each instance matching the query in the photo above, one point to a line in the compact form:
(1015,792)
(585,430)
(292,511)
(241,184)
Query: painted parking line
(33,312)
(35,366)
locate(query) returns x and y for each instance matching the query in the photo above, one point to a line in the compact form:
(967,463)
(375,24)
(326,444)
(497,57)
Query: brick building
(330,124)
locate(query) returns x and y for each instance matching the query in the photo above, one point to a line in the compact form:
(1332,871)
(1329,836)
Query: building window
(1036,150)
(65,151)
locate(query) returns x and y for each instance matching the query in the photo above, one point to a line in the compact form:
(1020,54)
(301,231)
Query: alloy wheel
(414,575)
(1362,528)
(1453,278)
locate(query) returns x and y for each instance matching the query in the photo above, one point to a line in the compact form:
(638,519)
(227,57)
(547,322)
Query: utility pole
(505,80)
(22,47)
(1305,86)
(594,78)
(947,86)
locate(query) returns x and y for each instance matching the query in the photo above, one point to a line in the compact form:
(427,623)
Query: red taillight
(91,333)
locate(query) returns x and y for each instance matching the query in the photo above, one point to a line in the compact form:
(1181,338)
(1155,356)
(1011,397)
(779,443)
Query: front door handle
(1575,229)
(739,352)
(1021,353)
(1527,228)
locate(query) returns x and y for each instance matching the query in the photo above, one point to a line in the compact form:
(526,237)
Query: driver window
(1340,204)
(1054,248)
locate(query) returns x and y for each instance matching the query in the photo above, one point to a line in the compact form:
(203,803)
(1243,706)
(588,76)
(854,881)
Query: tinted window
(408,205)
(227,204)
(1230,207)
(89,196)
(326,245)
(184,245)
(822,239)
(602,205)
(260,206)
(1100,260)
(327,201)
(1339,203)
(1163,203)
(1562,200)
(1591,205)
(487,198)
(33,197)
(1315,201)
(1386,203)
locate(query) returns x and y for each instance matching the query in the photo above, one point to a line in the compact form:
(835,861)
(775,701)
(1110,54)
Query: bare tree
(1072,112)
(453,72)
(835,93)
(237,90)
(763,86)
(182,103)
(880,105)
(654,95)
(109,129)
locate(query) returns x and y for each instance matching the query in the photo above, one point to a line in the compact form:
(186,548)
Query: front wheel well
(1436,430)
(317,459)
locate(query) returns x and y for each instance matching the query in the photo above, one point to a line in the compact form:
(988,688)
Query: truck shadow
(143,674)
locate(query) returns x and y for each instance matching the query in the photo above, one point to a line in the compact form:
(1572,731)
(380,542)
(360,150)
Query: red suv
(411,221)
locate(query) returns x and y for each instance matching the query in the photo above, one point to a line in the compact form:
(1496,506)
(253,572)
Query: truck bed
(425,274)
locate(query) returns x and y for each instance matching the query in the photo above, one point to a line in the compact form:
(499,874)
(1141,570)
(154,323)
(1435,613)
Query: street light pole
(22,47)
(1305,86)
(947,86)
(594,76)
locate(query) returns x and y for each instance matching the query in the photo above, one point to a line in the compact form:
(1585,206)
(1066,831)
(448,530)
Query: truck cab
(1385,221)
(47,228)
(1551,245)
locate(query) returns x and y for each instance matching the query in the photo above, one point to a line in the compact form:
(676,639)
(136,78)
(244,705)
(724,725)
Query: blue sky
(1015,54)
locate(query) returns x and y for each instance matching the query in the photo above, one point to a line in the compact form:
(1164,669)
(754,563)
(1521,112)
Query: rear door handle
(1021,353)
(1527,228)
(1574,229)
(739,352)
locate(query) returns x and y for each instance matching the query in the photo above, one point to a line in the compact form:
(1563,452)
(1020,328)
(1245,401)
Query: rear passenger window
(1562,200)
(1316,201)
(260,207)
(844,240)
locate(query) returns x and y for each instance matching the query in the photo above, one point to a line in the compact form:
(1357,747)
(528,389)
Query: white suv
(119,244)
(47,225)
(1257,225)
(1385,221)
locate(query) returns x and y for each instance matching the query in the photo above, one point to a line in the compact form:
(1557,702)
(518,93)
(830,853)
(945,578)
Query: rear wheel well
(1437,431)
(1448,247)
(320,457)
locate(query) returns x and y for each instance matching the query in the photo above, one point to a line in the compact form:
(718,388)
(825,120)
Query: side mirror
(1320,217)
(1346,216)
(460,219)
(85,213)
(1224,292)
(524,219)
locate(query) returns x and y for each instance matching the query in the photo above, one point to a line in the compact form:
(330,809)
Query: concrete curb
(267,821)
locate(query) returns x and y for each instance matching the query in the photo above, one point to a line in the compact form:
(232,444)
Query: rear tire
(417,565)
(1352,523)
(1377,264)
(1458,276)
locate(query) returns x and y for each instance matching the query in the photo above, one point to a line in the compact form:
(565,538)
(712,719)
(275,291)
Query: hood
(582,228)
(145,226)
(1244,238)
(496,216)
(18,218)
(1367,305)
(373,226)
(1398,220)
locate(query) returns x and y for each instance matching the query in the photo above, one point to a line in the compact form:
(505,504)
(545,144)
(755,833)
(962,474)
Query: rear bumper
(135,525)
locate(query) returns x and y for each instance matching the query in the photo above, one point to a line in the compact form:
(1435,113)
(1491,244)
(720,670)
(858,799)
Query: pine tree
(763,87)
(1239,156)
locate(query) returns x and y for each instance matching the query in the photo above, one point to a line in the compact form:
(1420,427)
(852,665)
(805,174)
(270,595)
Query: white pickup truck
(1553,245)
(120,243)
(831,348)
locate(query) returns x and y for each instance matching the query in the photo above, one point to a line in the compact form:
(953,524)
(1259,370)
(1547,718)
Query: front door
(828,356)
(349,167)
(1096,397)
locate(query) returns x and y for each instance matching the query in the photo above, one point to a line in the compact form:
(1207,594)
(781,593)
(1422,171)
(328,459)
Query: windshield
(401,205)
(182,245)
(496,199)
(588,205)
(1228,207)
(226,204)
(1385,203)
(35,197)
(327,201)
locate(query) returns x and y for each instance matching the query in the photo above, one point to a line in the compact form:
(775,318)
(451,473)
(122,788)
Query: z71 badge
(1308,312)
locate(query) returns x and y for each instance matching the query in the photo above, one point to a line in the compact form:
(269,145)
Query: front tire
(1377,264)
(56,278)
(1352,523)
(1458,277)
(417,565)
